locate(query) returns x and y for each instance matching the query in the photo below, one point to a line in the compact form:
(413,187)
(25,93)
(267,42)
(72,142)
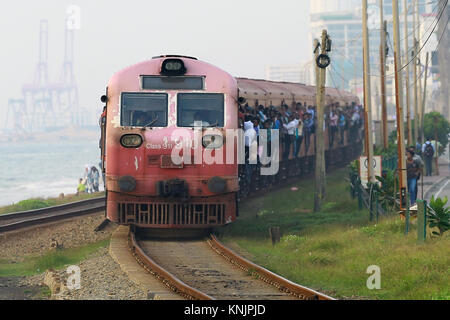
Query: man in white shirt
(290,127)
(249,133)
(251,149)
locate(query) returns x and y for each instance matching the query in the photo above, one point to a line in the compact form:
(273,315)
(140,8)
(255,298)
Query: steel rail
(265,275)
(166,277)
(19,220)
(191,293)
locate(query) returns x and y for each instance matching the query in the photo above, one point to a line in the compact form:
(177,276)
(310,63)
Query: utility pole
(406,62)
(383,27)
(424,96)
(443,53)
(399,104)
(316,68)
(419,93)
(436,154)
(367,97)
(322,62)
(416,59)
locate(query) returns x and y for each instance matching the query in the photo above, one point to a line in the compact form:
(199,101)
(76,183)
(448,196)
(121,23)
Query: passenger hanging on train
(261,114)
(284,120)
(285,110)
(342,125)
(268,126)
(291,126)
(298,136)
(308,129)
(354,124)
(251,148)
(276,120)
(256,123)
(311,110)
(333,122)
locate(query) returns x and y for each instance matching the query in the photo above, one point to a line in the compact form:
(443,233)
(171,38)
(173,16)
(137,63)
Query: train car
(148,104)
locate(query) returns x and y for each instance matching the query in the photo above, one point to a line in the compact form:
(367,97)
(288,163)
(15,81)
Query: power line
(422,47)
(420,38)
(419,23)
(416,53)
(428,38)
(335,86)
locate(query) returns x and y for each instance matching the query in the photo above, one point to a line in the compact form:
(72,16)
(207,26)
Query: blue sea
(40,169)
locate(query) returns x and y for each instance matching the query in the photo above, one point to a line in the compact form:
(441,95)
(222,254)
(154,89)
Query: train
(165,119)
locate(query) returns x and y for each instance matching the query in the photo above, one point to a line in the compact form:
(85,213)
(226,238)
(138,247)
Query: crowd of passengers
(297,123)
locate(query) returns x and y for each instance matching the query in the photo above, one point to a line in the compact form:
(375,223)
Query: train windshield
(201,110)
(144,110)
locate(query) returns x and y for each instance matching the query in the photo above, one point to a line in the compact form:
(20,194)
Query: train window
(144,110)
(201,109)
(172,83)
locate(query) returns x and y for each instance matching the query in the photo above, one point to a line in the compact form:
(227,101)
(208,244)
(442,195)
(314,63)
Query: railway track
(194,269)
(25,219)
(207,270)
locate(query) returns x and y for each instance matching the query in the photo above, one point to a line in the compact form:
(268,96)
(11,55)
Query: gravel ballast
(101,277)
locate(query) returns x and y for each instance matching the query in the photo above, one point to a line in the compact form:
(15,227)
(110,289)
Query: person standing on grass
(413,171)
(88,178)
(96,179)
(81,187)
(428,152)
(419,161)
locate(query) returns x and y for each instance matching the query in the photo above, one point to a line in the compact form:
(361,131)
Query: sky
(239,36)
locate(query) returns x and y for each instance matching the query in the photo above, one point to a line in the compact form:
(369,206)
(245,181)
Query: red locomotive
(148,103)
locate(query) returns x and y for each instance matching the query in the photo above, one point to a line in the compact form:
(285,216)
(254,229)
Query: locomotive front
(165,120)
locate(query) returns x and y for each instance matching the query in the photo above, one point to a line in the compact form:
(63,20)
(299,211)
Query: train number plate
(167,163)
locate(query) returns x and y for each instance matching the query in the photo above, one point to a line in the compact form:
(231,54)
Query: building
(443,65)
(290,73)
(343,21)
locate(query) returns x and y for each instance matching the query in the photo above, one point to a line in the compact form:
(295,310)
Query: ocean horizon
(44,169)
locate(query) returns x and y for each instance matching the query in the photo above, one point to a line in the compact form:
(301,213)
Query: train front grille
(165,214)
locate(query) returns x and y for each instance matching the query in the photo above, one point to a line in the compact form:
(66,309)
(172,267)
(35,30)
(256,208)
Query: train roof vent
(174,56)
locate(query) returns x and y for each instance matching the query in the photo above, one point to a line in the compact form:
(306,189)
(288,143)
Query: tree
(436,125)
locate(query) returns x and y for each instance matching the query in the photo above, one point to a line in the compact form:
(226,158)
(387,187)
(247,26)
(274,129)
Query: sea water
(41,169)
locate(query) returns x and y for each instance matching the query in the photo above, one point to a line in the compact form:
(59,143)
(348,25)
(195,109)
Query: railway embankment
(40,203)
(27,255)
(331,251)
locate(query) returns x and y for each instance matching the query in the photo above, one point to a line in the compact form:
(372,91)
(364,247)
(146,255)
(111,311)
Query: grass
(39,203)
(55,259)
(45,293)
(331,250)
(292,210)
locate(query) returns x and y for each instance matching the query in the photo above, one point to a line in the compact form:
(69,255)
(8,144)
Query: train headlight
(212,141)
(173,67)
(217,185)
(127,184)
(131,141)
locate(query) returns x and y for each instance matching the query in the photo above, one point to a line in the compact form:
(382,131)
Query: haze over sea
(44,169)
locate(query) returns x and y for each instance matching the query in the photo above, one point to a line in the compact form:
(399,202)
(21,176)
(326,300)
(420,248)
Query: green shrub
(32,204)
(387,192)
(439,215)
